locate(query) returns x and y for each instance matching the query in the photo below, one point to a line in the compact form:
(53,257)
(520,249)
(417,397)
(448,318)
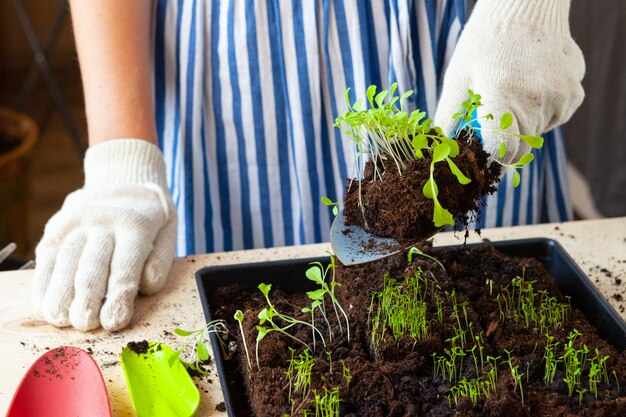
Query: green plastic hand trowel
(158,383)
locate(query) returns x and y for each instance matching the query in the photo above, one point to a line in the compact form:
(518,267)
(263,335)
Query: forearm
(112,39)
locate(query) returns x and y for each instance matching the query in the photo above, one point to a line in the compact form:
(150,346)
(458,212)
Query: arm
(116,236)
(113,39)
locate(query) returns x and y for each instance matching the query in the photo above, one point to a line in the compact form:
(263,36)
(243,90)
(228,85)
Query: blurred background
(41,104)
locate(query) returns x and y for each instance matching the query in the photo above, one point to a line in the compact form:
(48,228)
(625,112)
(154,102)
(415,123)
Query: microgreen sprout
(299,373)
(239,317)
(517,376)
(416,251)
(320,275)
(550,359)
(330,203)
(326,405)
(518,301)
(347,375)
(400,308)
(506,121)
(386,132)
(270,315)
(198,341)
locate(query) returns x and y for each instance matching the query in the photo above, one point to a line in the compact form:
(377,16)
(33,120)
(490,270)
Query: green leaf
(418,143)
(265,288)
(506,120)
(413,251)
(453,144)
(263,316)
(441,152)
(357,105)
(315,304)
(348,98)
(516,178)
(441,216)
(430,189)
(317,294)
(406,95)
(335,210)
(314,273)
(457,115)
(182,332)
(371,90)
(305,310)
(532,141)
(380,98)
(203,352)
(393,88)
(327,201)
(238,316)
(526,159)
(457,173)
(502,150)
(262,333)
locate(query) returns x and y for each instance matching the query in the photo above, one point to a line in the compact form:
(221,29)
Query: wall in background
(595,137)
(15,52)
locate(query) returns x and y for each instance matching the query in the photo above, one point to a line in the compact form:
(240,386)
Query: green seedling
(320,275)
(299,373)
(386,133)
(550,359)
(271,315)
(517,376)
(198,342)
(239,317)
(416,251)
(345,371)
(330,203)
(506,121)
(326,405)
(400,308)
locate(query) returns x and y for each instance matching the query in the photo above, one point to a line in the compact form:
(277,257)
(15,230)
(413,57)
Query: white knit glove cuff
(124,162)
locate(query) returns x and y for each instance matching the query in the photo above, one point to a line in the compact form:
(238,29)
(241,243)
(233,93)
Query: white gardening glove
(112,238)
(520,57)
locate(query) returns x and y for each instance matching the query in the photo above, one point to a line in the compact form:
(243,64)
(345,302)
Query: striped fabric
(246,94)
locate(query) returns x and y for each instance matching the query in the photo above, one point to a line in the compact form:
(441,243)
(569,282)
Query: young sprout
(239,317)
(517,376)
(416,251)
(345,371)
(299,373)
(330,203)
(198,339)
(386,133)
(318,274)
(506,121)
(326,405)
(270,315)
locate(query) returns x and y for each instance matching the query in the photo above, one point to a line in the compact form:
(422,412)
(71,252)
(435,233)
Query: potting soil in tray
(497,337)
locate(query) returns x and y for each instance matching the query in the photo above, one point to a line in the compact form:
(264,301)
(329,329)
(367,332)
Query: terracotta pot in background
(18,135)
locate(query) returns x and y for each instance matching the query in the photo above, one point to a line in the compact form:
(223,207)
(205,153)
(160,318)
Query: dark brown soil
(139,347)
(397,378)
(395,206)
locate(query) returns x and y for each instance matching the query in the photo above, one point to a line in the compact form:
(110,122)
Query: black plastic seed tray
(289,275)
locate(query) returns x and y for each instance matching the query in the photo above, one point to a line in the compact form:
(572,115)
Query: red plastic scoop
(63,382)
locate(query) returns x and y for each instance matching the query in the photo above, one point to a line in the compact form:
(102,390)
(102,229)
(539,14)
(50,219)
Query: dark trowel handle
(353,245)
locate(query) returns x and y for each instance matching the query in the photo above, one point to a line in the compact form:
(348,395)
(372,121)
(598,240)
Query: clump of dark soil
(139,347)
(395,206)
(396,377)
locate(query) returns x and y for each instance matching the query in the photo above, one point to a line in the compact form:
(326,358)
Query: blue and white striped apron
(246,94)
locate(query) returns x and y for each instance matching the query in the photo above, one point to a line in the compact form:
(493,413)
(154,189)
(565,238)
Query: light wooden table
(598,246)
